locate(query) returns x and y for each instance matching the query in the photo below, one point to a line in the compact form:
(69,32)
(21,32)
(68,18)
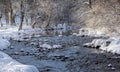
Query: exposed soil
(72,57)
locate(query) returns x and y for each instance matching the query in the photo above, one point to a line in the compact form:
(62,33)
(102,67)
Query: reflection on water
(60,29)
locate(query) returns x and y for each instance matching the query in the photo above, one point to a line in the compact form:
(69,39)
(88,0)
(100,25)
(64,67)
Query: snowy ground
(11,32)
(107,42)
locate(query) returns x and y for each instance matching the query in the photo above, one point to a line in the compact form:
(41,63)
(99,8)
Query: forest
(45,13)
(59,35)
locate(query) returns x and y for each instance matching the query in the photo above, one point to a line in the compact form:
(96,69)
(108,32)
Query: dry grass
(105,14)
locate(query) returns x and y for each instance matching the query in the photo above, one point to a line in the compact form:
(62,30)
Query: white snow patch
(95,43)
(26,33)
(4,44)
(109,45)
(114,47)
(57,46)
(45,45)
(48,46)
(7,64)
(90,32)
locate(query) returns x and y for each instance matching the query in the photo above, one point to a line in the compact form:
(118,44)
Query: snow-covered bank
(108,42)
(109,45)
(27,32)
(4,43)
(112,46)
(7,64)
(90,32)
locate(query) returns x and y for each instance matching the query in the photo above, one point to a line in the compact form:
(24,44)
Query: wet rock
(64,58)
(31,54)
(75,44)
(21,50)
(45,69)
(82,35)
(26,38)
(87,45)
(26,43)
(11,47)
(113,68)
(97,47)
(27,53)
(77,52)
(71,59)
(43,57)
(109,65)
(19,41)
(36,54)
(16,53)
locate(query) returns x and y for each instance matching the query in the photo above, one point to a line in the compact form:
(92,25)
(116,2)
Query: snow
(90,32)
(57,46)
(4,43)
(7,64)
(95,43)
(26,33)
(86,3)
(45,45)
(109,45)
(112,44)
(48,46)
(114,47)
(109,65)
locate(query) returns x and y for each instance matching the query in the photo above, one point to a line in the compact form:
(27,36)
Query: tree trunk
(21,21)
(1,22)
(14,19)
(90,3)
(7,18)
(48,20)
(22,16)
(32,19)
(11,14)
(26,19)
(33,24)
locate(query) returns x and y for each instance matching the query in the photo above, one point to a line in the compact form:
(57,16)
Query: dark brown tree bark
(11,13)
(33,24)
(22,15)
(90,3)
(1,20)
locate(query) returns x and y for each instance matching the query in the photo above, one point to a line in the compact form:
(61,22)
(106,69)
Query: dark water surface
(72,57)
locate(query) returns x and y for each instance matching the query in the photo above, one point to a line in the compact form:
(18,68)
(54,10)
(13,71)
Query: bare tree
(22,14)
(11,17)
(90,3)
(1,20)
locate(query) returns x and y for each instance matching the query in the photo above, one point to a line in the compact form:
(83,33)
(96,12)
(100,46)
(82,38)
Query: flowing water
(72,57)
